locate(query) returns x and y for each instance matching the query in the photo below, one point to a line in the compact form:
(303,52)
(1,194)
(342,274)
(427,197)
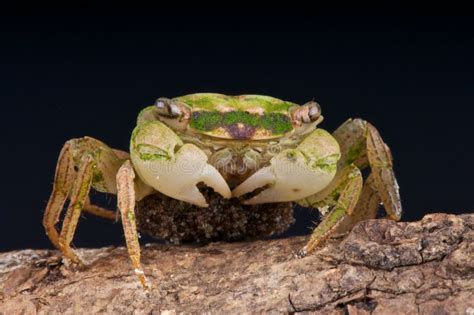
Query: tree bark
(381,267)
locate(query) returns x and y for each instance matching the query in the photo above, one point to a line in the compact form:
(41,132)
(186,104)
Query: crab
(253,148)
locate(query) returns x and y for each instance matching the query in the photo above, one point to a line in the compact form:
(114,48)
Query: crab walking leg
(61,188)
(380,160)
(79,195)
(106,163)
(368,203)
(99,211)
(348,189)
(295,173)
(164,162)
(351,136)
(126,204)
(329,195)
(362,145)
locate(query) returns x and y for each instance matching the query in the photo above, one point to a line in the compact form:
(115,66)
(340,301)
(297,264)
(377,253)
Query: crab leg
(61,188)
(99,211)
(295,173)
(79,193)
(368,203)
(362,145)
(347,186)
(97,166)
(126,204)
(380,160)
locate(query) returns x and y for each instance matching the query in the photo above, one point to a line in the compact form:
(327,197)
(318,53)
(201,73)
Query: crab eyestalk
(307,113)
(174,113)
(167,107)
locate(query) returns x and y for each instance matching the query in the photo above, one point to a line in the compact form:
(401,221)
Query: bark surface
(381,267)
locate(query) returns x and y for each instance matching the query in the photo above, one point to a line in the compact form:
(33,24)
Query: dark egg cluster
(176,221)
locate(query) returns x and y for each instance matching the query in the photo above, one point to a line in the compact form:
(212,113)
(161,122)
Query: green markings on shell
(206,121)
(200,102)
(277,123)
(327,168)
(236,117)
(327,164)
(268,103)
(211,101)
(149,152)
(291,155)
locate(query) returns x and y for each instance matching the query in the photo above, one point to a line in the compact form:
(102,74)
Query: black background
(87,71)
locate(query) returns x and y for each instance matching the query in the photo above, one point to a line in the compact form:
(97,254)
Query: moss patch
(355,152)
(149,152)
(97,177)
(206,121)
(211,101)
(327,164)
(277,123)
(231,118)
(209,120)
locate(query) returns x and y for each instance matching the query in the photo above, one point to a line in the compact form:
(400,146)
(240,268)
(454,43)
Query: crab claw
(294,174)
(163,162)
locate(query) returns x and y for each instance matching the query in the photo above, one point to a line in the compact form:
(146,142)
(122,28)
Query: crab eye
(314,110)
(307,113)
(167,107)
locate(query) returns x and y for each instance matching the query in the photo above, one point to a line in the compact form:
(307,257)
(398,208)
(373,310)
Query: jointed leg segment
(79,195)
(361,146)
(342,196)
(99,211)
(126,204)
(369,202)
(380,160)
(82,163)
(61,188)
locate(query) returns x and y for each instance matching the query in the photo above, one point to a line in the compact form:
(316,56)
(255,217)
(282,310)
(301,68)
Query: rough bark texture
(382,267)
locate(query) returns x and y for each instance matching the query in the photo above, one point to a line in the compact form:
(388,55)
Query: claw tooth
(192,195)
(261,178)
(212,178)
(269,195)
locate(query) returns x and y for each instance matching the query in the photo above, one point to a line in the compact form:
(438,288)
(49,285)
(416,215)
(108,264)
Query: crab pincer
(294,174)
(168,165)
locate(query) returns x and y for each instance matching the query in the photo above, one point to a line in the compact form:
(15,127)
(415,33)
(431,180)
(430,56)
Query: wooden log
(381,267)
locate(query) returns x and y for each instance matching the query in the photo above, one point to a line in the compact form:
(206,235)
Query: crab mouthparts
(240,131)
